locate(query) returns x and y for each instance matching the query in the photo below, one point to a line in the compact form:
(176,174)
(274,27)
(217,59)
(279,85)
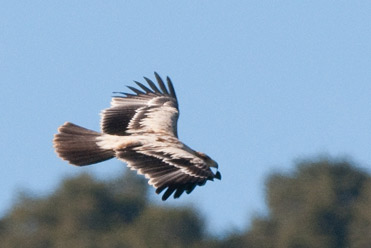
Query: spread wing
(150,109)
(151,114)
(168,167)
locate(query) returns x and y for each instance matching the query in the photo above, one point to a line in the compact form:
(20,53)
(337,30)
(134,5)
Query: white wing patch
(151,109)
(142,130)
(155,118)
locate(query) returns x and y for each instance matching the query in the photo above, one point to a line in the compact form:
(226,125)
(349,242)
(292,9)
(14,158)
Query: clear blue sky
(260,84)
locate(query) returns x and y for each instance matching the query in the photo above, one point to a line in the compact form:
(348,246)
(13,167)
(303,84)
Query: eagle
(140,128)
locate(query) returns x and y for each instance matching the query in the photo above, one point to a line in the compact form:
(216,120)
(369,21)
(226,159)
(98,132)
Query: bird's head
(211,163)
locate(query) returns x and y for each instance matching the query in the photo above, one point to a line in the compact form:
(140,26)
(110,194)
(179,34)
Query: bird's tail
(78,145)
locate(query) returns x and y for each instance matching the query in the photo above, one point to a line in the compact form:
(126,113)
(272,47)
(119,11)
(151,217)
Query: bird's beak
(218,175)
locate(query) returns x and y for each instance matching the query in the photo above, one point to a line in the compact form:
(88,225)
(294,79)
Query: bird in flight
(140,128)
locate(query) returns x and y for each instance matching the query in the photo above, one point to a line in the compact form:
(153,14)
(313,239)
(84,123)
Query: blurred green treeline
(322,203)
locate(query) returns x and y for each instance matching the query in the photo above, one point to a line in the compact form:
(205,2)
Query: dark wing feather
(161,84)
(143,87)
(138,92)
(171,87)
(152,85)
(175,175)
(148,110)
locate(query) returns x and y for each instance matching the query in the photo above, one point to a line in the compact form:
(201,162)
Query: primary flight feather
(140,129)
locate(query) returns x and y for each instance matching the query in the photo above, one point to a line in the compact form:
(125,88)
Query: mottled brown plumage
(141,130)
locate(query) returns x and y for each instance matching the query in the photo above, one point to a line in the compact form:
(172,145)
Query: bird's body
(141,130)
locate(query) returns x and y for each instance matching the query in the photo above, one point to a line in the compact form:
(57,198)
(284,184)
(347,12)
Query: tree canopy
(321,203)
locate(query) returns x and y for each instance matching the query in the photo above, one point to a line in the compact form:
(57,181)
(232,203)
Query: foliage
(85,212)
(320,204)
